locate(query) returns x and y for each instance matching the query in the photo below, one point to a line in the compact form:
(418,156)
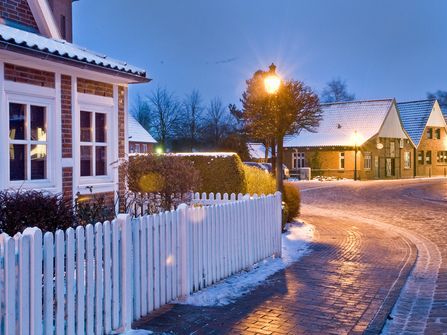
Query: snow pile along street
(295,244)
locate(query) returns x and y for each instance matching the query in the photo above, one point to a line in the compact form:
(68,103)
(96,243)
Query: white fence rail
(98,279)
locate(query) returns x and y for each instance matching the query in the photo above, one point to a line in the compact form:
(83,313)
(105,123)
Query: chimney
(62,12)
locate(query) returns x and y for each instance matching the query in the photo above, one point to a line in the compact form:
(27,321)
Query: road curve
(415,210)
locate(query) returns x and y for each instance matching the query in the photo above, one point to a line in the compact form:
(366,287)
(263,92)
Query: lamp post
(272,84)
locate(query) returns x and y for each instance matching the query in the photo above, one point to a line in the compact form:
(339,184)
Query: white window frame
(341,157)
(144,148)
(28,98)
(137,148)
(407,160)
(392,149)
(96,104)
(298,157)
(367,161)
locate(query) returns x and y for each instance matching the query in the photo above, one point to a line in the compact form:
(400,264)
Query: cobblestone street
(368,236)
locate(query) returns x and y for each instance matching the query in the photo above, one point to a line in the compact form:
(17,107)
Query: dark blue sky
(382,48)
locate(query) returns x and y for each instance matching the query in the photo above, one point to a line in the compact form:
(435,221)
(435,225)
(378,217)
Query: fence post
(278,223)
(183,241)
(35,235)
(124,222)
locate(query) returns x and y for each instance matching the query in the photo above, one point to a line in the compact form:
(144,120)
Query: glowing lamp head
(356,138)
(159,151)
(272,83)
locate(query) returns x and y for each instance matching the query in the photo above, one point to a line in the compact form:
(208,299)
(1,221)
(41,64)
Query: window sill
(96,187)
(41,185)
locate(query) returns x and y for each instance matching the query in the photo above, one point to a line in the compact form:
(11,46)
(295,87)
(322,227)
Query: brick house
(425,124)
(385,151)
(140,141)
(66,106)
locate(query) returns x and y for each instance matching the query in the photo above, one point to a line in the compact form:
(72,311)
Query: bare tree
(141,112)
(217,122)
(441,96)
(164,115)
(191,121)
(336,91)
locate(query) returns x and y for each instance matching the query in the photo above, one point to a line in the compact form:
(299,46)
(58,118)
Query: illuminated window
(27,142)
(421,157)
(341,160)
(93,144)
(441,157)
(367,162)
(407,160)
(428,157)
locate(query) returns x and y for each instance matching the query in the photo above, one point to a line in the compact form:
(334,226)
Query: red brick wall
(17,11)
(150,147)
(95,87)
(121,140)
(66,102)
(30,76)
(67,183)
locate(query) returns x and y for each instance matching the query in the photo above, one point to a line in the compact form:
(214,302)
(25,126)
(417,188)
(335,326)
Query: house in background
(140,141)
(374,126)
(425,124)
(63,108)
(258,152)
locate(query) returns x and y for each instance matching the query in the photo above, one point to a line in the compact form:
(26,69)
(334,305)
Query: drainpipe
(414,162)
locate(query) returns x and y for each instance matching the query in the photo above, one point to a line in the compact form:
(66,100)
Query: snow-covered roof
(257,151)
(341,120)
(415,115)
(137,133)
(64,49)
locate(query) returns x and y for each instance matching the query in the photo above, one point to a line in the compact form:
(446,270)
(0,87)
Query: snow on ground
(137,332)
(295,244)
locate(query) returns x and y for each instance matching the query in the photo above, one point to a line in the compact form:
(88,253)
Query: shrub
(166,175)
(22,209)
(293,200)
(258,181)
(219,172)
(92,208)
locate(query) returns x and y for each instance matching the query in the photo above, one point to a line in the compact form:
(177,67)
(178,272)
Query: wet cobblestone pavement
(368,235)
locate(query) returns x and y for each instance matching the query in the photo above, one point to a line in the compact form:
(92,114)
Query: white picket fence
(98,279)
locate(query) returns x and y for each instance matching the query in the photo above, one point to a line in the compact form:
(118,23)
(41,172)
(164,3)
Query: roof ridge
(414,101)
(356,101)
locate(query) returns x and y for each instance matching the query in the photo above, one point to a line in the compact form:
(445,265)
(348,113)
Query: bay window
(27,142)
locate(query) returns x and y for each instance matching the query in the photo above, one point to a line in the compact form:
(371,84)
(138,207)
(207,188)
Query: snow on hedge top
(64,49)
(137,133)
(341,120)
(207,154)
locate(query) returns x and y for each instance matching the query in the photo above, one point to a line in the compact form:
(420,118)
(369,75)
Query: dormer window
(438,133)
(429,133)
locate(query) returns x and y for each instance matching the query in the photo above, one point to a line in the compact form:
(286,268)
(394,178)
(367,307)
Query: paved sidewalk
(347,284)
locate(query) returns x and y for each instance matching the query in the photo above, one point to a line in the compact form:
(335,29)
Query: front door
(390,167)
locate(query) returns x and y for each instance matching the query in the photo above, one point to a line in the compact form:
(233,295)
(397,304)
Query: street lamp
(356,140)
(272,84)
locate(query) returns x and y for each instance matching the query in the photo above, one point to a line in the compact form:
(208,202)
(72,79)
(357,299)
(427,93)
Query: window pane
(101,161)
(86,126)
(86,161)
(17,117)
(39,161)
(17,162)
(38,124)
(100,127)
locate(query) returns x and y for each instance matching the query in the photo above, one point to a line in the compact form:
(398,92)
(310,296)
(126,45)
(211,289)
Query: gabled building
(63,108)
(425,124)
(140,141)
(372,128)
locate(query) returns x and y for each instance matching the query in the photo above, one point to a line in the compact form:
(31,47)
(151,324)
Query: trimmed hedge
(219,172)
(292,198)
(258,181)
